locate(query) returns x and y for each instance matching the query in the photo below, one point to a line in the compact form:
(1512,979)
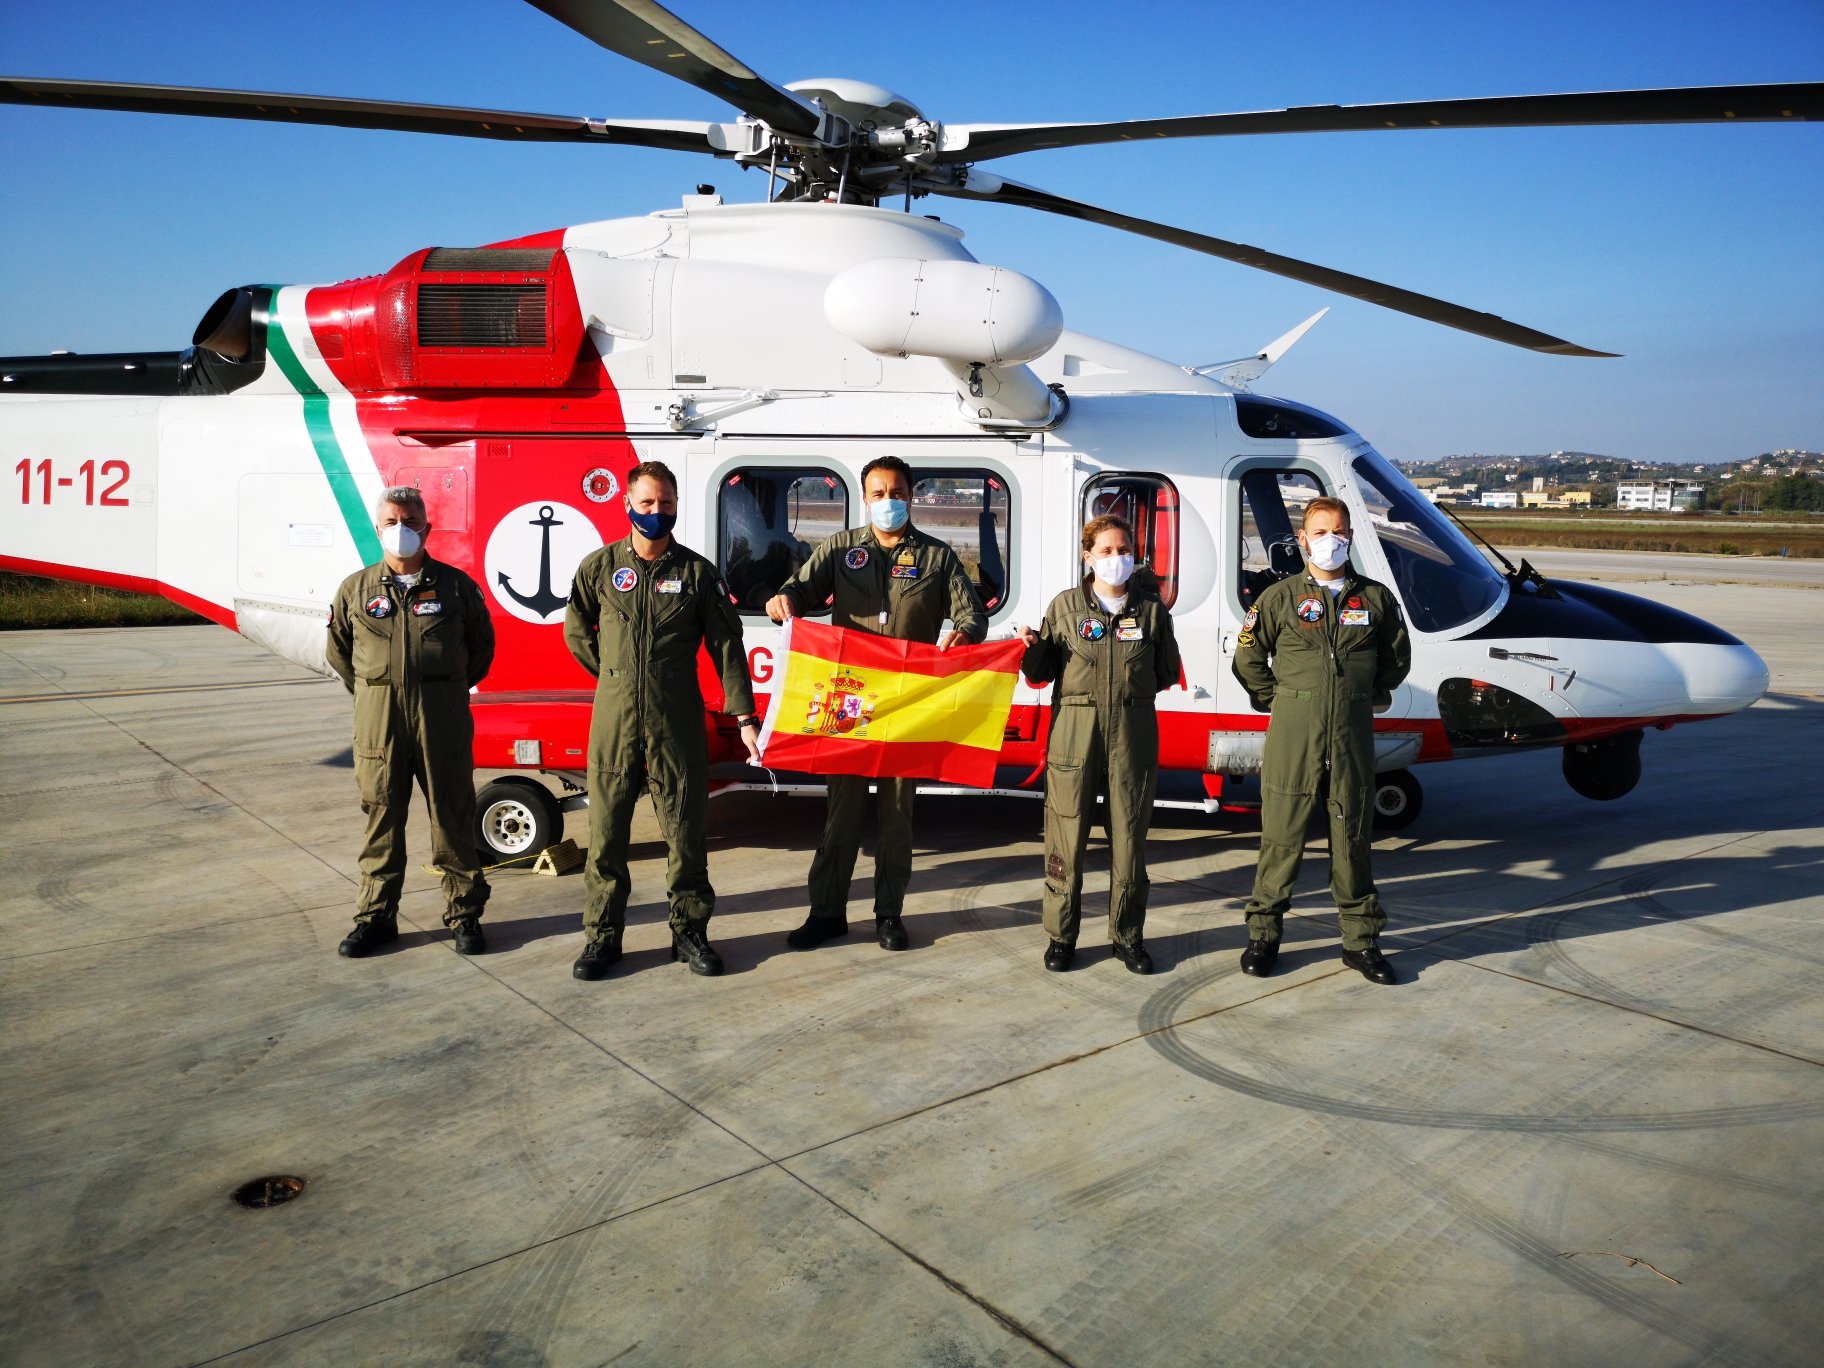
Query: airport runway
(1585,1130)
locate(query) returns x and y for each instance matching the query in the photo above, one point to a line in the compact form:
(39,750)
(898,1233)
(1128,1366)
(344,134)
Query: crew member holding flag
(1108,644)
(889,579)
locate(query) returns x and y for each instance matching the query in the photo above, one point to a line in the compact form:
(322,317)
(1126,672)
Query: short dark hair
(888,463)
(652,470)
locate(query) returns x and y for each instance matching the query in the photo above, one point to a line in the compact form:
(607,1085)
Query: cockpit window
(1261,417)
(1272,510)
(1442,580)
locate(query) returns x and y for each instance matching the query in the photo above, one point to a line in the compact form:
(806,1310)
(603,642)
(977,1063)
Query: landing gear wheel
(1398,800)
(515,818)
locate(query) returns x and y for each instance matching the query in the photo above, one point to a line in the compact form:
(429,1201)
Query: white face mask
(1327,551)
(1115,570)
(401,541)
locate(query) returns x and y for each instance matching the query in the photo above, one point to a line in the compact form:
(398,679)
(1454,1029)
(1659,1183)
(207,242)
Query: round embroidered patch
(1310,610)
(1092,629)
(856,557)
(379,606)
(625,578)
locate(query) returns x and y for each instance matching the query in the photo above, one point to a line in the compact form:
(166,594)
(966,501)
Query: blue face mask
(889,515)
(652,526)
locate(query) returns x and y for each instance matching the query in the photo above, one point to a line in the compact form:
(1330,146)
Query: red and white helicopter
(767,351)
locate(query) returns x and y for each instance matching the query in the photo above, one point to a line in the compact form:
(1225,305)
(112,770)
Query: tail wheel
(1398,800)
(515,818)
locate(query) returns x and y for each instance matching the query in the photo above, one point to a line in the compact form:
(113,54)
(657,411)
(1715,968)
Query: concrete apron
(1584,1130)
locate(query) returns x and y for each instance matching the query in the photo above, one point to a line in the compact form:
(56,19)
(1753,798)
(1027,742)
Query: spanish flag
(855,703)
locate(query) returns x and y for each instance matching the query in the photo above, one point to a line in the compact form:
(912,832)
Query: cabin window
(770,517)
(1149,503)
(971,510)
(1272,510)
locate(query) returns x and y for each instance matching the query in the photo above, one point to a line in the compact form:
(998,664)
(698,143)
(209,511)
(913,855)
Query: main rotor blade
(653,36)
(341,113)
(1681,104)
(994,189)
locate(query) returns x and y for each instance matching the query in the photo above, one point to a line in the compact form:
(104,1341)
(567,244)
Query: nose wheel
(1397,800)
(515,818)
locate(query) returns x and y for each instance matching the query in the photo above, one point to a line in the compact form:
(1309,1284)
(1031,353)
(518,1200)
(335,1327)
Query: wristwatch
(746,722)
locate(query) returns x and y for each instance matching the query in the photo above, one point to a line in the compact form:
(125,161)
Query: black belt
(422,679)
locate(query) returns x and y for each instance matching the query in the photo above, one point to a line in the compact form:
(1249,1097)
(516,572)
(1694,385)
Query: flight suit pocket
(1290,758)
(371,652)
(373,770)
(441,648)
(1073,724)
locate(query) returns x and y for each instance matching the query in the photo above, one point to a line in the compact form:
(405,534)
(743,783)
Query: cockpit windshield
(1442,579)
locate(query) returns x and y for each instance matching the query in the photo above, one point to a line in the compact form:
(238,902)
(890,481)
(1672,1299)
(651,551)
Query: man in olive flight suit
(639,609)
(410,637)
(1320,650)
(890,579)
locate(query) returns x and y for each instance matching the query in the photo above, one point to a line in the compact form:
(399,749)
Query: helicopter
(766,351)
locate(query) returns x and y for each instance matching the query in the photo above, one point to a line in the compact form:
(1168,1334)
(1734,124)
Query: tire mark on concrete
(1158,1024)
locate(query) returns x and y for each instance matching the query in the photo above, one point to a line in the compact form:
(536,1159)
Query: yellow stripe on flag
(967,709)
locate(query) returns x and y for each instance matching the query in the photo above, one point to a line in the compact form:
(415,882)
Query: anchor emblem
(542,601)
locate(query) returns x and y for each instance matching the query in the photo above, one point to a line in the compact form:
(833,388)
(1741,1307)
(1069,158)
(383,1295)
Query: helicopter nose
(1720,679)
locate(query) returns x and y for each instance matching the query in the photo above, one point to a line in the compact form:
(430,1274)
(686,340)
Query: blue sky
(1696,251)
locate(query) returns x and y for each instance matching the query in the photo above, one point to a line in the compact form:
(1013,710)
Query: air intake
(489,259)
(482,315)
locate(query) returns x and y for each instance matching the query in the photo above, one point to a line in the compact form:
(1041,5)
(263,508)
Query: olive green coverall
(1104,740)
(410,657)
(636,626)
(1320,662)
(906,592)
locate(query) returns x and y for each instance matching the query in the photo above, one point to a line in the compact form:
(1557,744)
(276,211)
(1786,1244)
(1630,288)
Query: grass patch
(1704,536)
(28,602)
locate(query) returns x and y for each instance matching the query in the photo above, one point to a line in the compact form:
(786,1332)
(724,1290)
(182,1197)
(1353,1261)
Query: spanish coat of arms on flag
(852,702)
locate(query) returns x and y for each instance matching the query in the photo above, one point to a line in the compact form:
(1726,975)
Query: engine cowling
(468,318)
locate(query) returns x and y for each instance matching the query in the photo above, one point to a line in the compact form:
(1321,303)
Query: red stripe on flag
(944,761)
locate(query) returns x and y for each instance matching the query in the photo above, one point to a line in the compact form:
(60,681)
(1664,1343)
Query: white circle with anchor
(532,554)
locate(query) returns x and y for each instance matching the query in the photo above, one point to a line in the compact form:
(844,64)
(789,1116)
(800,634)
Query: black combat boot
(599,956)
(815,931)
(467,933)
(891,933)
(1134,957)
(1060,955)
(1371,964)
(368,936)
(691,945)
(1259,958)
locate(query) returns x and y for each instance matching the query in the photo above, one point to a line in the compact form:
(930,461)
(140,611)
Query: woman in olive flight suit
(1109,645)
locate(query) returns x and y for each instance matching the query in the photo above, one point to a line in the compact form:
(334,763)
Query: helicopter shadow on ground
(1500,862)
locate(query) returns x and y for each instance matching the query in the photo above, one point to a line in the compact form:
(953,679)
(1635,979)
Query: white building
(1500,498)
(1659,495)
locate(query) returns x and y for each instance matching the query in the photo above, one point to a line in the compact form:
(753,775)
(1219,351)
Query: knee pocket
(373,775)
